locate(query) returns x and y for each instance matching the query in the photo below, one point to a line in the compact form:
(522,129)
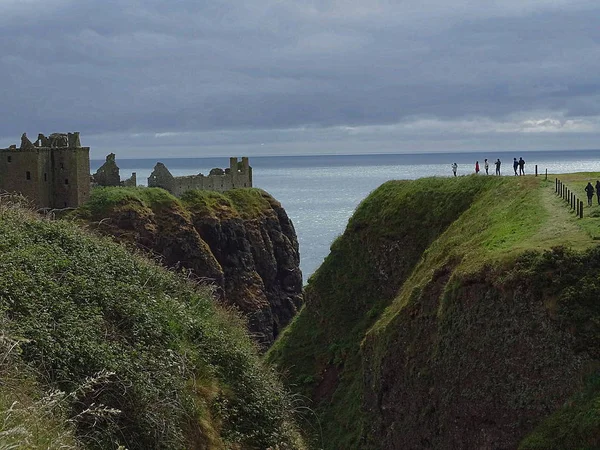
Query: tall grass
(145,359)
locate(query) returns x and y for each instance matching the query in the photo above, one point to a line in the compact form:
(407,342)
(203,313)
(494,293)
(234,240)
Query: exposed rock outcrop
(242,242)
(260,262)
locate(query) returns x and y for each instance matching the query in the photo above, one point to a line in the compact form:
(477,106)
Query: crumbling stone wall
(109,174)
(238,175)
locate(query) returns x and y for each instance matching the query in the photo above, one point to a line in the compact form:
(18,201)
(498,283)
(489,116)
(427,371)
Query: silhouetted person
(516,165)
(589,189)
(486,166)
(498,163)
(454,167)
(598,190)
(476,167)
(521,166)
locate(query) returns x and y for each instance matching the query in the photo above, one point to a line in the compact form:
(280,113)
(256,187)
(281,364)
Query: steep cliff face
(477,361)
(242,241)
(104,349)
(447,317)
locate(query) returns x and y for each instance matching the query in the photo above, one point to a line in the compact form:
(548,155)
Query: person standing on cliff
(454,167)
(598,190)
(589,189)
(515,165)
(521,166)
(476,167)
(486,166)
(498,163)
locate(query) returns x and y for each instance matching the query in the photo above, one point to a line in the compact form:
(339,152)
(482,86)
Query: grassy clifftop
(426,285)
(119,351)
(238,203)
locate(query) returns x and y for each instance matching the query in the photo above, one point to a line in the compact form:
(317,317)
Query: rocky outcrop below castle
(450,315)
(240,241)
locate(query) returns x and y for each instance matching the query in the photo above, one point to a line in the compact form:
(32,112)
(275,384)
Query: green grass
(29,418)
(573,426)
(244,203)
(145,358)
(105,199)
(394,246)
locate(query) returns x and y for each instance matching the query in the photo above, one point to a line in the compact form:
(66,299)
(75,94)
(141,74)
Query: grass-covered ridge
(144,358)
(243,203)
(408,241)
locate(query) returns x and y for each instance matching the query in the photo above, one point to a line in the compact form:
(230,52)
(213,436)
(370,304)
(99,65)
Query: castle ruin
(237,175)
(109,174)
(53,171)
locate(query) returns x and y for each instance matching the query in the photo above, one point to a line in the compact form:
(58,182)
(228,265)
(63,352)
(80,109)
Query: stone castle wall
(238,175)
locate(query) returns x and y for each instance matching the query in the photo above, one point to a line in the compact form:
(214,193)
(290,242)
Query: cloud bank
(194,78)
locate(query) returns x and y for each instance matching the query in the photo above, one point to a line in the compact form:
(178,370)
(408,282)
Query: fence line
(567,195)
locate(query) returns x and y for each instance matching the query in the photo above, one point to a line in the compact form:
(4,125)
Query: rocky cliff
(451,314)
(242,241)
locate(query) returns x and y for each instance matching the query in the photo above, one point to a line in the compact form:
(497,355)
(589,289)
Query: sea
(321,192)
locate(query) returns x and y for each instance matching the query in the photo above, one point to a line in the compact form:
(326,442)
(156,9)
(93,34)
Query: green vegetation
(136,355)
(401,239)
(28,417)
(105,199)
(576,423)
(243,203)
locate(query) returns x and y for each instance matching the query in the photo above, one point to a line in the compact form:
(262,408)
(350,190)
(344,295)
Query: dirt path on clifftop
(561,222)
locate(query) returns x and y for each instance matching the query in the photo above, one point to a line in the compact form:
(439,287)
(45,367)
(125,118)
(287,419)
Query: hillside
(102,348)
(241,241)
(454,313)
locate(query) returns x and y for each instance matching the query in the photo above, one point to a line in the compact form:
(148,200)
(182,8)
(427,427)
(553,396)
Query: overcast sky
(194,78)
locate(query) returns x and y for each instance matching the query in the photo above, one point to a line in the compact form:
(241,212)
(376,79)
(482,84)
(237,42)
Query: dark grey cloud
(292,73)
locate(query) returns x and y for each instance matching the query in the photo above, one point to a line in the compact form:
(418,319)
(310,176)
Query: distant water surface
(320,193)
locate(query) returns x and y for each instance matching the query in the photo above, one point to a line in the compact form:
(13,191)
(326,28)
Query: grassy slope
(113,329)
(465,223)
(244,203)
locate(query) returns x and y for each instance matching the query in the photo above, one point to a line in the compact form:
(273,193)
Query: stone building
(237,175)
(53,172)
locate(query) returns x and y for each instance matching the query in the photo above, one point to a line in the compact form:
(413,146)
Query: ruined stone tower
(53,172)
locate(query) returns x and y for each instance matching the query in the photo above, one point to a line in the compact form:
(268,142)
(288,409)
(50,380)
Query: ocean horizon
(320,192)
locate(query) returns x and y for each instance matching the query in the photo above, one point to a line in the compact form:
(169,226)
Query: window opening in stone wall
(66,181)
(45,177)
(28,175)
(10,159)
(62,166)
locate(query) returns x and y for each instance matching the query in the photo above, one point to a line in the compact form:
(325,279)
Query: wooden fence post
(536,170)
